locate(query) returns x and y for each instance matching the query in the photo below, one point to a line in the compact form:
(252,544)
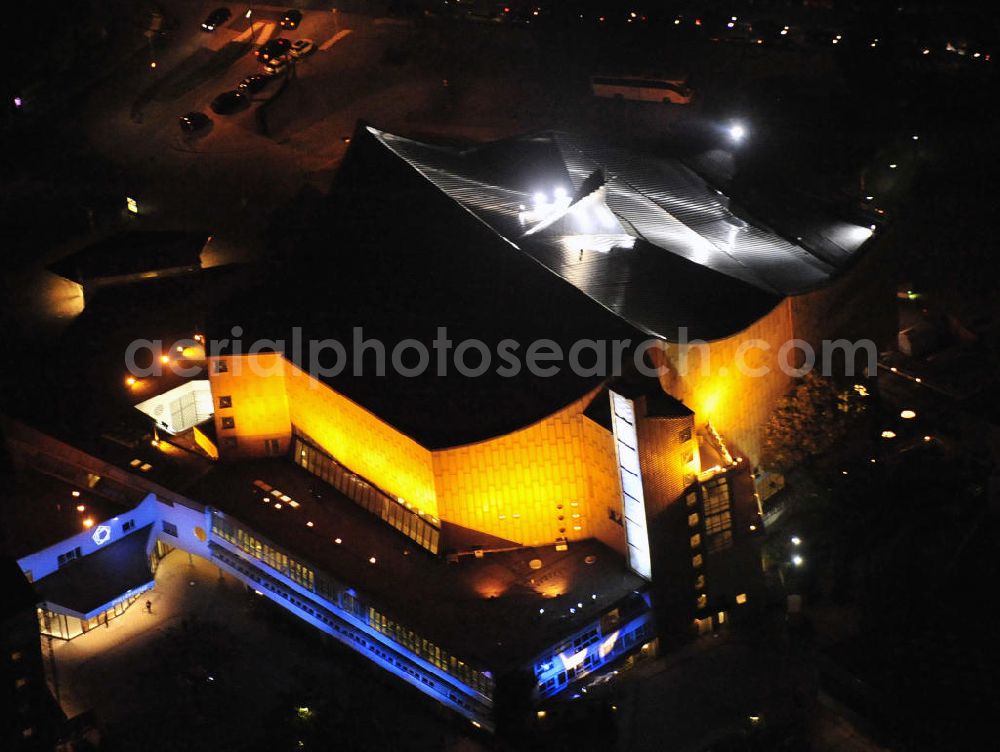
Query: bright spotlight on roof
(737,132)
(559,192)
(540,199)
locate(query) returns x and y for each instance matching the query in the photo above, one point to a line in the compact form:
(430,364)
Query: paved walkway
(184,586)
(214,667)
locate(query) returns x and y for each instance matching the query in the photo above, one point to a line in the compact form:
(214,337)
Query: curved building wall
(532,486)
(554,480)
(359,440)
(737,401)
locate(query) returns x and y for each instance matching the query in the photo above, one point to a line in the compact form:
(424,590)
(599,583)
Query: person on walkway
(149,607)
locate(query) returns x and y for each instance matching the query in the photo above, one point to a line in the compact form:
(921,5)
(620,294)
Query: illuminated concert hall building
(565,526)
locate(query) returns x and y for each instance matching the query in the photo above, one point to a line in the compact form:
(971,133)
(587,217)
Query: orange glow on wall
(736,402)
(255,385)
(531,486)
(555,479)
(359,440)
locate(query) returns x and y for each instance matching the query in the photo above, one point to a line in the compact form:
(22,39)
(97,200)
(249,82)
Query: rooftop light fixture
(907,414)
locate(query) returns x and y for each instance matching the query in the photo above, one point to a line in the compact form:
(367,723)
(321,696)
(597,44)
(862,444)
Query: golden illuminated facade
(533,486)
(736,401)
(555,480)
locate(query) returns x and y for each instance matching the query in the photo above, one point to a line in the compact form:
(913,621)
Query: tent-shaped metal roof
(634,233)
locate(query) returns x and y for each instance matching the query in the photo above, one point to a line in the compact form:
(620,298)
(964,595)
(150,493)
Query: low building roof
(134,252)
(495,611)
(90,582)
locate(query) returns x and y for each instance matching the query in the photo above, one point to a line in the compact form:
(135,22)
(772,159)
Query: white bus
(643,88)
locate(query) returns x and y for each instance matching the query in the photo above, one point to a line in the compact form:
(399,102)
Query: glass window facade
(249,543)
(65,627)
(431,653)
(348,600)
(410,523)
(716,499)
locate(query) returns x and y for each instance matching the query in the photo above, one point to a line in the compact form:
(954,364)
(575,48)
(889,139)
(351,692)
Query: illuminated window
(15,656)
(699,582)
(684,435)
(691,499)
(20,682)
(229,422)
(221,366)
(28,732)
(225,401)
(741,599)
(716,523)
(702,600)
(696,561)
(695,540)
(692,519)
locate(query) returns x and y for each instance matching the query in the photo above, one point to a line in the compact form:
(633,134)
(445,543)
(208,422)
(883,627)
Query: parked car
(275,67)
(302,47)
(229,102)
(291,19)
(216,18)
(194,122)
(253,84)
(275,49)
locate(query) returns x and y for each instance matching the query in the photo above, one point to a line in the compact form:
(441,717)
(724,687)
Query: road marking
(334,39)
(266,33)
(265,30)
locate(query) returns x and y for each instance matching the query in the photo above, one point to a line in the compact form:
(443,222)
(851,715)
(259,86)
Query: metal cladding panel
(679,257)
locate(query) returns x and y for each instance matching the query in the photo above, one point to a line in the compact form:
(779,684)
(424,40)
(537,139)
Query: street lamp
(737,132)
(253,34)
